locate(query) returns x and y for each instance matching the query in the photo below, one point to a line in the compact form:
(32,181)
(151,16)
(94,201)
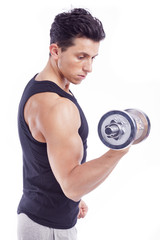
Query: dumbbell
(119,129)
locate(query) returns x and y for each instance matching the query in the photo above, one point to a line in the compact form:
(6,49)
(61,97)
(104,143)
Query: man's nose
(87,67)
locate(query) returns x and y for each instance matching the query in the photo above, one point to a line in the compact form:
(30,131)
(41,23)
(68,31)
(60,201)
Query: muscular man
(53,133)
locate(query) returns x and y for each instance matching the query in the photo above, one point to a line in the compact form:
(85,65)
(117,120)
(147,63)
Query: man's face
(76,62)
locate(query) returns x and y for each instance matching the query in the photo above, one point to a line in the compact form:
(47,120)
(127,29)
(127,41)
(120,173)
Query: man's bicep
(64,156)
(64,145)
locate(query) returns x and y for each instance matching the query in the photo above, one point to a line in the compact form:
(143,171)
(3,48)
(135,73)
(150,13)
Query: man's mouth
(82,76)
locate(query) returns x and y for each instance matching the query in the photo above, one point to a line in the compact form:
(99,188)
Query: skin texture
(46,113)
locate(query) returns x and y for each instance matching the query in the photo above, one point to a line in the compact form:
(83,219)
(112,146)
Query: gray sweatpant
(30,230)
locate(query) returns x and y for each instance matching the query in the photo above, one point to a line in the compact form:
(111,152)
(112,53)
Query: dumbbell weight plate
(128,126)
(142,123)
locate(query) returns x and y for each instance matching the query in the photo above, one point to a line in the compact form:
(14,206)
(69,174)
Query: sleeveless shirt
(43,199)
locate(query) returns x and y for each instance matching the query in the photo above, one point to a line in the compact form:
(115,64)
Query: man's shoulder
(54,102)
(59,108)
(64,108)
(55,116)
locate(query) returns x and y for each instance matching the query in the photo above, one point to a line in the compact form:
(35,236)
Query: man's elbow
(73,197)
(71,192)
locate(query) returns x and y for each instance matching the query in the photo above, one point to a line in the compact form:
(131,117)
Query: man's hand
(83,209)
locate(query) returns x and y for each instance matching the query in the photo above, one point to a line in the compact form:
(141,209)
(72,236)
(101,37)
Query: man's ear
(54,50)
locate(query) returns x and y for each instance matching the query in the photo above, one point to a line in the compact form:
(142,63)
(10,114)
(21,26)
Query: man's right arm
(65,151)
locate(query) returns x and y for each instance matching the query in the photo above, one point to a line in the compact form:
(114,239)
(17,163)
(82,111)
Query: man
(53,133)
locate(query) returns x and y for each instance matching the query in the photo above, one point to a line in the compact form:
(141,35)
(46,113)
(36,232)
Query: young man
(53,133)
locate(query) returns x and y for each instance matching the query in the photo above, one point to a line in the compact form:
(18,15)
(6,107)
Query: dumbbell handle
(112,130)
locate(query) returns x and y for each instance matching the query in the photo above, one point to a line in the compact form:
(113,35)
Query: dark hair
(76,23)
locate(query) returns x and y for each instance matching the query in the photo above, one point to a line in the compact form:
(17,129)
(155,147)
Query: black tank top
(43,199)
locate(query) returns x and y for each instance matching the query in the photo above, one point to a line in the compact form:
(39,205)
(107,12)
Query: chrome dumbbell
(119,129)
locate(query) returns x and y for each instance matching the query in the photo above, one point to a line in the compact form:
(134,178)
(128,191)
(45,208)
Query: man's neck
(52,74)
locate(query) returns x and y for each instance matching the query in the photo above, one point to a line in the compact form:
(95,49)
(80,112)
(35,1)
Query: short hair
(75,23)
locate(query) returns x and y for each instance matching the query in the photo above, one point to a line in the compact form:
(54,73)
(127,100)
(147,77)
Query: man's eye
(80,57)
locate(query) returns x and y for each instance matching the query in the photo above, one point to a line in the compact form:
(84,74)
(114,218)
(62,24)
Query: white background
(126,75)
